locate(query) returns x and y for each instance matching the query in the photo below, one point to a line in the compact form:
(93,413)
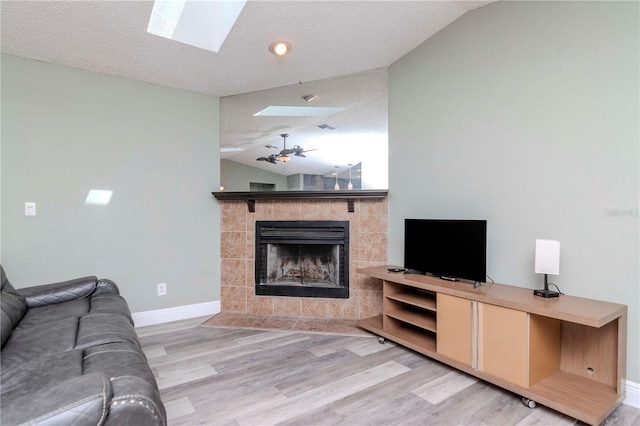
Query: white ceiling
(328,38)
(331,41)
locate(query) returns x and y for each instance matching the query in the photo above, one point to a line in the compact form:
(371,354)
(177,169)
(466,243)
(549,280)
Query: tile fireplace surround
(368,247)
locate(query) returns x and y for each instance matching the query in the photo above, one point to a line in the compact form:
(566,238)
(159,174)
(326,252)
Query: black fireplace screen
(302,258)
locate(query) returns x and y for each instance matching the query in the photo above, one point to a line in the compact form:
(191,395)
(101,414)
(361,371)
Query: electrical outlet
(162,289)
(29,209)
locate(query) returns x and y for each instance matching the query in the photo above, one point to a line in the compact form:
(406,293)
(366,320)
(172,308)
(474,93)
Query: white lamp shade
(547,257)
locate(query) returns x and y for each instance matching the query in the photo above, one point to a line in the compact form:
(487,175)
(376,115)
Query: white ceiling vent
(326,127)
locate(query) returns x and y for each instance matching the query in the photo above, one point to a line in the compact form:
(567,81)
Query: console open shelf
(415,299)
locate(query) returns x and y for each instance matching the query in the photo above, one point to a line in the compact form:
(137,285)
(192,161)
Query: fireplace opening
(302,258)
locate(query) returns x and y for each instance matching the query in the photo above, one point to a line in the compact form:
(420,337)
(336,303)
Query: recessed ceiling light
(309,98)
(279,48)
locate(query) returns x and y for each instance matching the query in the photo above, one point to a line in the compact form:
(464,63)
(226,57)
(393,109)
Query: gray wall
(526,114)
(236,176)
(65,131)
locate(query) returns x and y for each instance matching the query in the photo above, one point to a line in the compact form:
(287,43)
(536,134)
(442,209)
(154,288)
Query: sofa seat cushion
(80,400)
(117,360)
(46,371)
(28,344)
(103,328)
(51,313)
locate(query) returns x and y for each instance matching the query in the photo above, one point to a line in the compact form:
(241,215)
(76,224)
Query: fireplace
(302,258)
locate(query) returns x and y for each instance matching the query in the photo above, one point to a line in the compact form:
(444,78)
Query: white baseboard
(632,397)
(159,316)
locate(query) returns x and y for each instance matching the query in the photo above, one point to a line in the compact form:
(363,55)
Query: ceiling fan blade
(299,155)
(298,150)
(270,159)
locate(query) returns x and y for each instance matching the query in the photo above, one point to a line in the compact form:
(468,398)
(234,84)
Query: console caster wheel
(381,340)
(529,402)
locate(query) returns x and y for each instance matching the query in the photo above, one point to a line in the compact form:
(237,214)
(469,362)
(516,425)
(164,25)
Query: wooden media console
(567,353)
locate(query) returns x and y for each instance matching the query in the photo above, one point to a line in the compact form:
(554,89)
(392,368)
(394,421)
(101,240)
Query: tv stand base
(546,293)
(454,279)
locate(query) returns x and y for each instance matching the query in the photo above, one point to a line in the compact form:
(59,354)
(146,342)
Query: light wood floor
(227,376)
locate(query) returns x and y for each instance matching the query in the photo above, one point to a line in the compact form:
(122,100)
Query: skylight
(203,24)
(297,111)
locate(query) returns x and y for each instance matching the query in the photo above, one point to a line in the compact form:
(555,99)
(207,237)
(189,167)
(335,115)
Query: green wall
(526,114)
(65,131)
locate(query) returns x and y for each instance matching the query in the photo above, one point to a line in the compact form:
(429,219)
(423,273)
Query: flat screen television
(449,249)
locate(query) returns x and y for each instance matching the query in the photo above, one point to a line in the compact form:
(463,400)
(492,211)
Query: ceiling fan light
(279,48)
(284,158)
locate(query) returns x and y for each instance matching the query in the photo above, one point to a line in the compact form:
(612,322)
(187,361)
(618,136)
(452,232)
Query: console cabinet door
(504,343)
(454,328)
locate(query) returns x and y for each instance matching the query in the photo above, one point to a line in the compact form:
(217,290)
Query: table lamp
(547,262)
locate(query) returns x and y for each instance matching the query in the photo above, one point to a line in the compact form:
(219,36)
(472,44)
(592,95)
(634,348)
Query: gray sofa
(70,355)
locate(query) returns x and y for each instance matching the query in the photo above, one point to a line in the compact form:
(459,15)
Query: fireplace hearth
(302,258)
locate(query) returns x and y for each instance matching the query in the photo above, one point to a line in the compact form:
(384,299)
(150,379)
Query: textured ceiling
(328,38)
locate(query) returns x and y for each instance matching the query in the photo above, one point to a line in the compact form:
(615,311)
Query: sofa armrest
(50,294)
(107,286)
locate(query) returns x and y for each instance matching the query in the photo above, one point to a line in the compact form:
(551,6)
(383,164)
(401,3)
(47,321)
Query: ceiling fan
(297,150)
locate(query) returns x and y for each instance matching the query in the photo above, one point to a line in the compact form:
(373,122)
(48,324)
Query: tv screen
(451,249)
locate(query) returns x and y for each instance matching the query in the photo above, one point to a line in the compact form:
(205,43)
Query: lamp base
(546,293)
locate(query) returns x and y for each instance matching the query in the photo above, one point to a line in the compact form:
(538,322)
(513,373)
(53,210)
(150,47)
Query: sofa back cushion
(13,307)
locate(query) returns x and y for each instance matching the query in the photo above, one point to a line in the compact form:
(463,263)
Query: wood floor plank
(545,418)
(332,373)
(444,387)
(336,345)
(252,402)
(393,388)
(178,408)
(406,409)
(367,347)
(167,377)
(322,395)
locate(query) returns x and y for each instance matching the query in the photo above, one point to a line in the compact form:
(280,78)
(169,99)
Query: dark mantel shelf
(349,196)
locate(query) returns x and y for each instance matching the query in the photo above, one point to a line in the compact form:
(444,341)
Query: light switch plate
(29,209)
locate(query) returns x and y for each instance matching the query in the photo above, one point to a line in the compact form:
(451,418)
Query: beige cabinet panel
(454,328)
(504,343)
